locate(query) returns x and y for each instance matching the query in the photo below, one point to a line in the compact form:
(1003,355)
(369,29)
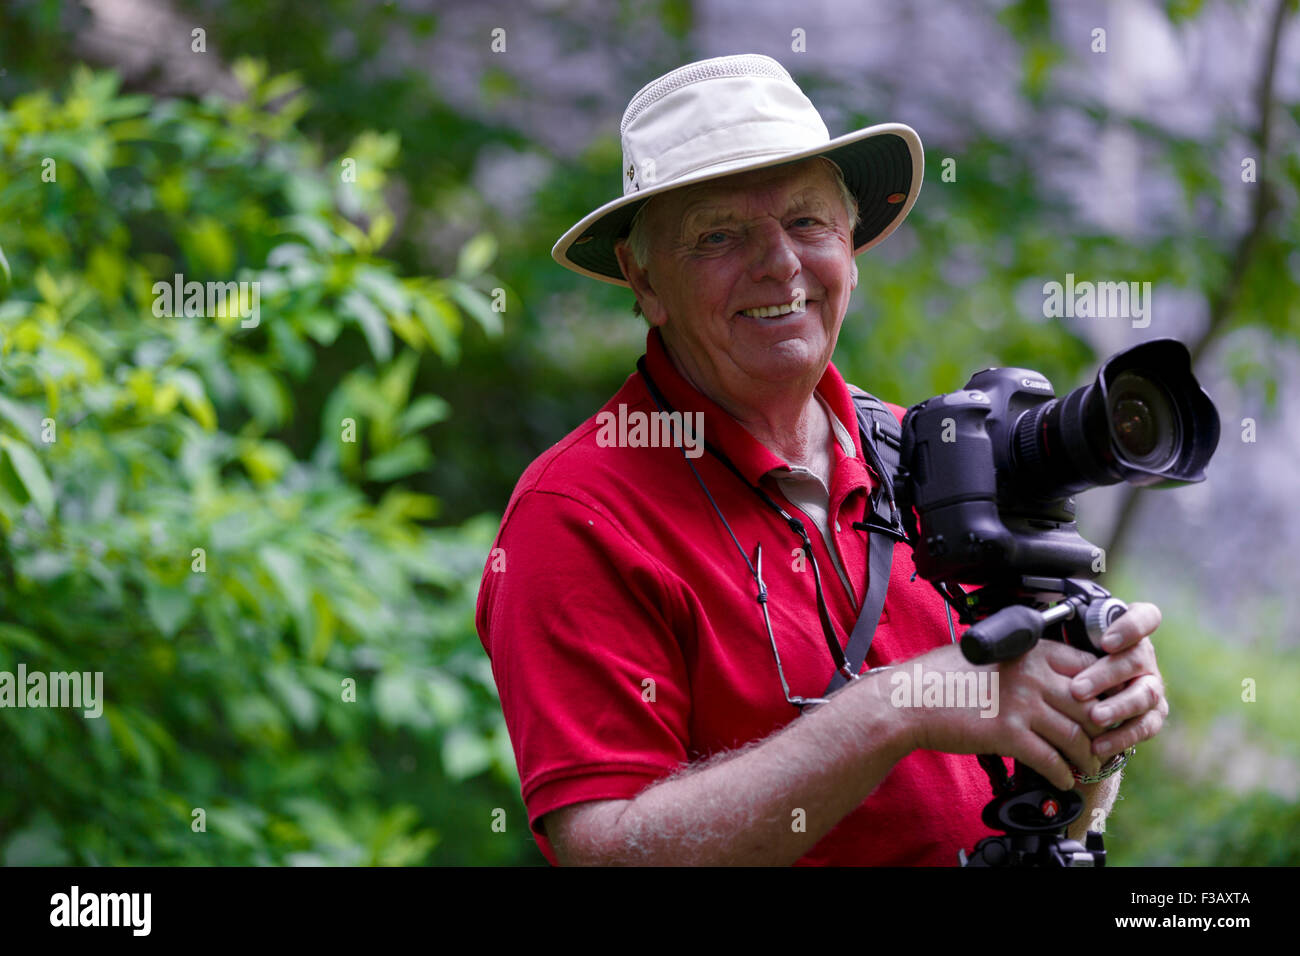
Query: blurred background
(283,611)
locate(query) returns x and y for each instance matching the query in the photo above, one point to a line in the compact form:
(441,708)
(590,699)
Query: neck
(800,436)
(789,421)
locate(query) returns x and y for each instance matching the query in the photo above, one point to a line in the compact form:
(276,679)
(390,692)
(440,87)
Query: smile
(771,311)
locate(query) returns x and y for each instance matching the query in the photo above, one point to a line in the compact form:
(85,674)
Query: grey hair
(638,237)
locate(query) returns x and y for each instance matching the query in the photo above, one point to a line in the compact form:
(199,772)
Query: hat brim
(880,164)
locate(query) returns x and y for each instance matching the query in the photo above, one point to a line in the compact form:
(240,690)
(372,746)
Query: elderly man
(657,710)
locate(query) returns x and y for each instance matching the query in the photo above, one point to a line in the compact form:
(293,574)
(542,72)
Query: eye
(708,236)
(809,219)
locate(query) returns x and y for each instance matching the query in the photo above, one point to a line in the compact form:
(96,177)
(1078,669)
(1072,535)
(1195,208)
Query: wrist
(892,731)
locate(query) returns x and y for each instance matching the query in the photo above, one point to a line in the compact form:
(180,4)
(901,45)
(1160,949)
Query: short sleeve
(578,621)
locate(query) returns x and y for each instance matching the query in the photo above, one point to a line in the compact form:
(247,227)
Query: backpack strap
(882,440)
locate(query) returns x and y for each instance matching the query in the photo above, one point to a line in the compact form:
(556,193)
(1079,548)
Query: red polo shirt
(625,639)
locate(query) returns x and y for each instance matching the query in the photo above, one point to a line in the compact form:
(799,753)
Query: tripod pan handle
(1004,635)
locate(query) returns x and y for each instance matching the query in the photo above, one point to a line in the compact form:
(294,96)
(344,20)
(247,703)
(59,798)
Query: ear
(639,279)
(853,283)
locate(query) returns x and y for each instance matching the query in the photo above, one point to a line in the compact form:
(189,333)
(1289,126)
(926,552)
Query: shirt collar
(747,453)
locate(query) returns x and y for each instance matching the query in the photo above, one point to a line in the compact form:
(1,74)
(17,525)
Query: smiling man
(662,628)
(758,268)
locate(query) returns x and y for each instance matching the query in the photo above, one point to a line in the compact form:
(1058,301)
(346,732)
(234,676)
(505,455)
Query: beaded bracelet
(1111,767)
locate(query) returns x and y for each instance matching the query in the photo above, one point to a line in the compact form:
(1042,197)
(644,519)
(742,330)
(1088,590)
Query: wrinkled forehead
(802,185)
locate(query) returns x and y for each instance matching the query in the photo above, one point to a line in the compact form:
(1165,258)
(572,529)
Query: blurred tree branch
(1224,298)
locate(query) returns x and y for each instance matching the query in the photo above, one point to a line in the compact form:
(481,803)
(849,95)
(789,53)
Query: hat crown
(705,117)
(743,64)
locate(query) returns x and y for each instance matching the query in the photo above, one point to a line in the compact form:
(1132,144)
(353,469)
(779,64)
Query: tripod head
(1032,813)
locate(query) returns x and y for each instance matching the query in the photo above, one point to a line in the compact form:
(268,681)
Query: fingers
(1145,693)
(1065,659)
(1139,709)
(1037,753)
(1115,670)
(1140,620)
(1128,734)
(1062,700)
(1069,739)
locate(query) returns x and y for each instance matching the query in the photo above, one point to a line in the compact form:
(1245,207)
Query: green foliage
(213,512)
(1217,786)
(181,432)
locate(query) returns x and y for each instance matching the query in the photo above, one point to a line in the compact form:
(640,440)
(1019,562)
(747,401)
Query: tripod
(1031,813)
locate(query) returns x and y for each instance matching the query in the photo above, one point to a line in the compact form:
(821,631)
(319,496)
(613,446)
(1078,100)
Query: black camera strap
(882,440)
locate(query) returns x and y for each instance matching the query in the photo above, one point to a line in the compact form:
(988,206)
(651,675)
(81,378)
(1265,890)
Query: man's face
(720,249)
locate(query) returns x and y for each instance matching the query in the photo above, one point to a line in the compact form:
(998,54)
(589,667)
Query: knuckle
(1153,696)
(1134,664)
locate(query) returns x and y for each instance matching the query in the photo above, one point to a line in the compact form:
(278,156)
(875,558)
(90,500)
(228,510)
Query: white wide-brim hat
(730,115)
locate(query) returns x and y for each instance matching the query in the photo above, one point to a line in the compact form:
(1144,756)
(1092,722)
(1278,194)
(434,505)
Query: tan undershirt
(804,489)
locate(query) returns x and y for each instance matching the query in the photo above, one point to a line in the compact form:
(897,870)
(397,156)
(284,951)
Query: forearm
(1098,799)
(769,803)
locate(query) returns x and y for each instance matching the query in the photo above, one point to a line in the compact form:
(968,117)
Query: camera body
(985,490)
(988,473)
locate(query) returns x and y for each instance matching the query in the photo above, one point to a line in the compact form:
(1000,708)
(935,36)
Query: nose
(773,254)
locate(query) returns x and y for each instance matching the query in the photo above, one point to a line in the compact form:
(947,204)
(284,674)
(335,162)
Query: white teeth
(770,311)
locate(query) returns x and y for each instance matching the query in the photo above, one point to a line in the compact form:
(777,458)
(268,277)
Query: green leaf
(476,304)
(423,412)
(290,576)
(16,636)
(25,418)
(395,385)
(383,287)
(398,701)
(168,607)
(193,397)
(263,393)
(231,824)
(37,845)
(208,244)
(32,474)
(249,72)
(297,697)
(438,316)
(321,326)
(476,255)
(465,754)
(407,457)
(373,324)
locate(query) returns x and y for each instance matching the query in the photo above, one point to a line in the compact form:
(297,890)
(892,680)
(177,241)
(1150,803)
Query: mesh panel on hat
(744,64)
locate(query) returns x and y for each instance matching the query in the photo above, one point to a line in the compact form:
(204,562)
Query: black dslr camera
(985,489)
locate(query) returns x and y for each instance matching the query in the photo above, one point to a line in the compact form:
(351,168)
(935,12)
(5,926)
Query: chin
(787,361)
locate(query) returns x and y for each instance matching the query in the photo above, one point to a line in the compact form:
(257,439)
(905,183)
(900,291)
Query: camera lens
(1144,420)
(1144,424)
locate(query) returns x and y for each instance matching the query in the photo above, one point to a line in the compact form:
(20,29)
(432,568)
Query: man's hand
(1038,721)
(1136,708)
